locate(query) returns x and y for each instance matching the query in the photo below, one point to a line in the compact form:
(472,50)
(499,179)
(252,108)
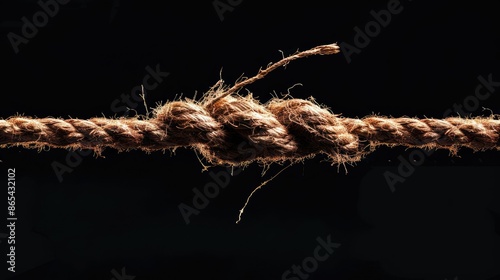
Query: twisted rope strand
(279,130)
(223,122)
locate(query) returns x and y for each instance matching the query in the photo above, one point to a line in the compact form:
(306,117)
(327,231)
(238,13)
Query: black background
(121,210)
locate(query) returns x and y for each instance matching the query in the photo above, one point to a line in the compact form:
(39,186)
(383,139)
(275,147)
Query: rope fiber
(279,130)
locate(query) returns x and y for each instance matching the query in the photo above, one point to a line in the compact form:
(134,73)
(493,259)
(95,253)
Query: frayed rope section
(223,122)
(279,130)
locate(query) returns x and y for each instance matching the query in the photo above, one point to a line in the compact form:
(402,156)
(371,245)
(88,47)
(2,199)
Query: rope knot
(238,130)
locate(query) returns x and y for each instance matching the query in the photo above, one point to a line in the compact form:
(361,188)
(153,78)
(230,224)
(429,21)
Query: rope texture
(227,128)
(279,130)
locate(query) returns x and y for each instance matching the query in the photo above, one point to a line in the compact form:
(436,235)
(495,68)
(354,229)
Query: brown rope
(281,129)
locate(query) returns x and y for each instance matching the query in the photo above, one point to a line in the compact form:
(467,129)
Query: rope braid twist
(279,130)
